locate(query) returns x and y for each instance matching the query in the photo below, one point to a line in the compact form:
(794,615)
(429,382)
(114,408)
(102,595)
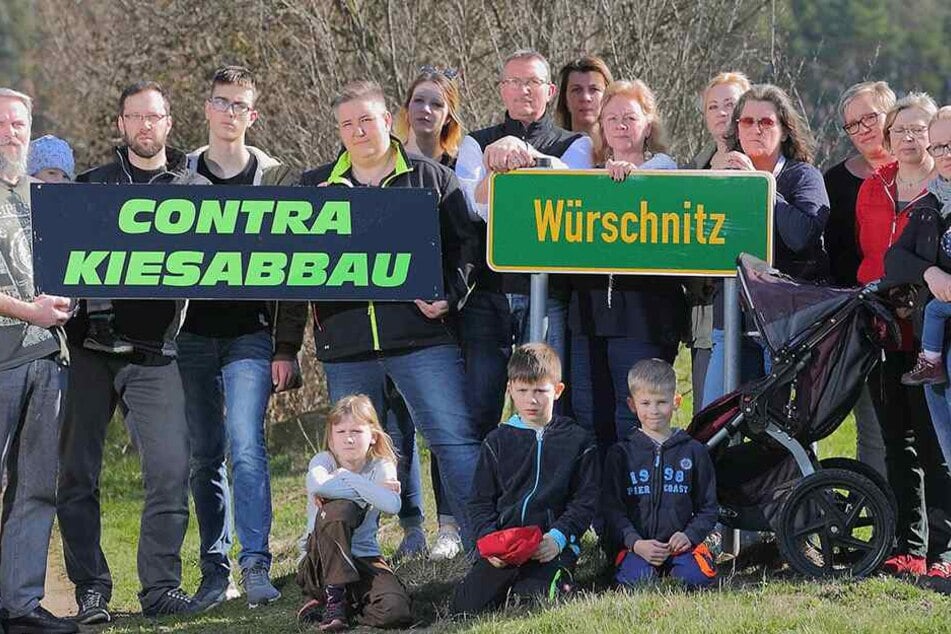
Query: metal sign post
(538,298)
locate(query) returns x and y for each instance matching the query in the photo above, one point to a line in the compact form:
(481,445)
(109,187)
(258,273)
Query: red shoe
(900,565)
(940,570)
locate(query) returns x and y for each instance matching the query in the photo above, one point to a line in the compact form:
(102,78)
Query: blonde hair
(943,114)
(360,89)
(882,95)
(644,96)
(26,100)
(920,100)
(451,134)
(733,77)
(652,375)
(360,408)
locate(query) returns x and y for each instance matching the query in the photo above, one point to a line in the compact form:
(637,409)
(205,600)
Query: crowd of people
(193,379)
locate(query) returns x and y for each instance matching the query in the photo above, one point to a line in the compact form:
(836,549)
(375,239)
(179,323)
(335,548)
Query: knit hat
(51,152)
(514,546)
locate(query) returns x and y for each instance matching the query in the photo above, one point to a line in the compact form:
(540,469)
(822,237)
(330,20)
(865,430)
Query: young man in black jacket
(535,470)
(659,488)
(363,343)
(145,379)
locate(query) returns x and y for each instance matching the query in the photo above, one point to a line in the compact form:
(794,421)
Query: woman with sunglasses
(913,465)
(768,135)
(428,124)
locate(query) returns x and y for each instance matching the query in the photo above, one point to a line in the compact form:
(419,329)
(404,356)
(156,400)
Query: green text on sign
(684,222)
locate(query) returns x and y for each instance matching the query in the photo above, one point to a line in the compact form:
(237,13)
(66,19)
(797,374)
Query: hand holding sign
(47,311)
(508,153)
(433,310)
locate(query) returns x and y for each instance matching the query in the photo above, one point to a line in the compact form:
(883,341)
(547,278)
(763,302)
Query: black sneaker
(211,593)
(174,601)
(335,610)
(93,609)
(39,621)
(101,337)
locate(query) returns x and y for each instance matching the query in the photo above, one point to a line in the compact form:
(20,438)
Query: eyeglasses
(237,108)
(136,118)
(519,82)
(766,123)
(938,151)
(448,73)
(628,119)
(914,131)
(865,121)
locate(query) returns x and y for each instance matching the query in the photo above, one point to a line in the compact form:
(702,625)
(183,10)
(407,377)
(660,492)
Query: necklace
(908,183)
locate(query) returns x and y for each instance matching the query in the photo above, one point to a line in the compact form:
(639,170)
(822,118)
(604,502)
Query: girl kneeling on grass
(348,485)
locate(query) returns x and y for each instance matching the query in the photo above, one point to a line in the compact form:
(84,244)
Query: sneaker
(925,372)
(448,544)
(412,546)
(335,610)
(102,338)
(212,592)
(940,570)
(93,609)
(900,565)
(257,586)
(311,612)
(174,601)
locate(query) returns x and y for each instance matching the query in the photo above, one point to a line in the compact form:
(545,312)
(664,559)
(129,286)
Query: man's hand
(47,311)
(652,551)
(678,543)
(547,549)
(508,153)
(281,373)
(433,310)
(392,485)
(939,283)
(495,562)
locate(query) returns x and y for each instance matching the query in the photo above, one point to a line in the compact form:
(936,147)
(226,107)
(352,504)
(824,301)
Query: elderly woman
(862,109)
(921,255)
(768,135)
(581,84)
(616,321)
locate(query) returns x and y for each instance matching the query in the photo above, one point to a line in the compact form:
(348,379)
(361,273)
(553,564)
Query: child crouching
(535,492)
(348,485)
(659,488)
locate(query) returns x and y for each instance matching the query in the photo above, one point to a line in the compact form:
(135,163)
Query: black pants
(915,469)
(377,593)
(486,587)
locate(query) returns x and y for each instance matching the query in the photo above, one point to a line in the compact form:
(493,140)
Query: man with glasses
(144,378)
(32,381)
(230,362)
(497,313)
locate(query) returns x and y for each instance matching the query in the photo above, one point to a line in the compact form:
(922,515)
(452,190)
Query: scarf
(942,190)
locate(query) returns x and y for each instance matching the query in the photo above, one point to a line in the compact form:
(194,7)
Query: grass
(752,599)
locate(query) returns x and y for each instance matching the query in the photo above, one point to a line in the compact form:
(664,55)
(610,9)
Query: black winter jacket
(652,492)
(547,477)
(347,329)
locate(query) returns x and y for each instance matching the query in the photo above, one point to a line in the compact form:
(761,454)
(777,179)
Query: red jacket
(877,223)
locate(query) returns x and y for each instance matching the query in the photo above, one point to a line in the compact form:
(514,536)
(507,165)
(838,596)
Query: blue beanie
(51,152)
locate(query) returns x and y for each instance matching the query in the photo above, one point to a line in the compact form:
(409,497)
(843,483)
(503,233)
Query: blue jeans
(433,384)
(939,405)
(556,321)
(634,570)
(936,315)
(599,367)
(754,363)
(399,425)
(227,386)
(31,413)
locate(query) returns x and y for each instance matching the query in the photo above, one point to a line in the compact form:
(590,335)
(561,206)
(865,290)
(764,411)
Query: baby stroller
(830,517)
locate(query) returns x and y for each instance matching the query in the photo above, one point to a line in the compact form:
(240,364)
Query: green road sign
(677,222)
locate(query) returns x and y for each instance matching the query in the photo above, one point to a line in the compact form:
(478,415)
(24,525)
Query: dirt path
(59,590)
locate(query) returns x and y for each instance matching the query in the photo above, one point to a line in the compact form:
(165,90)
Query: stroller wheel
(836,522)
(851,464)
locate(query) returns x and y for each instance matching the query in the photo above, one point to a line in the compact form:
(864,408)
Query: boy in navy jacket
(659,493)
(537,474)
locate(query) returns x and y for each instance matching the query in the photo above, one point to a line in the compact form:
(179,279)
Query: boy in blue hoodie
(659,488)
(534,470)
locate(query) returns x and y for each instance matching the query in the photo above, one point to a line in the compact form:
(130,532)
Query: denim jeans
(31,411)
(754,363)
(936,316)
(599,367)
(556,321)
(939,405)
(399,425)
(227,386)
(433,384)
